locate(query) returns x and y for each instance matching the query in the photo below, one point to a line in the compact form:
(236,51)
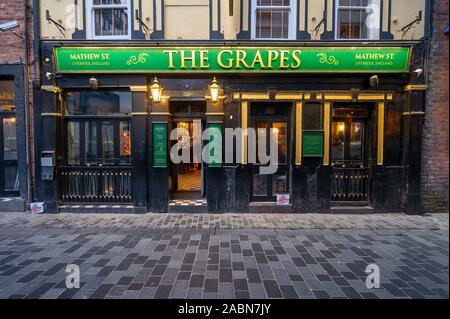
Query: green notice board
(159,145)
(215,141)
(313,144)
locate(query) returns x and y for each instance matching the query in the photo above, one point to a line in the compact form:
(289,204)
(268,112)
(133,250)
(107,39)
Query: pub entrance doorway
(350,154)
(187,179)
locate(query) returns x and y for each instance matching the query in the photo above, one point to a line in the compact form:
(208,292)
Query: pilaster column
(47,101)
(158,176)
(215,182)
(413,117)
(139,143)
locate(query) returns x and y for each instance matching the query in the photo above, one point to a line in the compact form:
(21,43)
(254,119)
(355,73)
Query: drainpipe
(37,44)
(36,71)
(27,102)
(428,38)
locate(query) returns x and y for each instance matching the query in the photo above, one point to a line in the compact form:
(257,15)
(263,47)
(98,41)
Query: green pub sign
(313,143)
(160,145)
(231,59)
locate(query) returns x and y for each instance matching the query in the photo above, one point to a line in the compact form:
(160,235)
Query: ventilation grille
(189,107)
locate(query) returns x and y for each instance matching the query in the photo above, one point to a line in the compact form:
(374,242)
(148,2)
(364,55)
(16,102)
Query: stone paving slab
(223,256)
(161,222)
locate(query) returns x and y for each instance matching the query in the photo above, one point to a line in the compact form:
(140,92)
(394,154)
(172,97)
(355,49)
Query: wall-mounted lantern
(156,90)
(214,89)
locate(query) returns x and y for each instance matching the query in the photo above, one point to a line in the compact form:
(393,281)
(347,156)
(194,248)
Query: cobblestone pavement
(223,256)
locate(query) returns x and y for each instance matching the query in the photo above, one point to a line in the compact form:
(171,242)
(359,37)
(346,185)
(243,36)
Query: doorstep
(12,204)
(102,209)
(269,208)
(188,206)
(352,210)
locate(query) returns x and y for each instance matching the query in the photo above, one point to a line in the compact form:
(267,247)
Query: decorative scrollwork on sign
(328,59)
(142,58)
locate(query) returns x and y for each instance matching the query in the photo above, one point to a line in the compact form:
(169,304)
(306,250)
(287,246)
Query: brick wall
(12,47)
(435,139)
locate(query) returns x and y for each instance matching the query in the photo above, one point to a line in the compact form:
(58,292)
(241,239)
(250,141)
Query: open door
(188,179)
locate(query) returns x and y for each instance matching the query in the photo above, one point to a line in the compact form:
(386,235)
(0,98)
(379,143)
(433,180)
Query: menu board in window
(159,145)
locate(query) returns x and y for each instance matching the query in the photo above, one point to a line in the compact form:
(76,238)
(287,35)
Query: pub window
(358,19)
(98,127)
(312,116)
(274,19)
(7,96)
(109,19)
(9,172)
(98,103)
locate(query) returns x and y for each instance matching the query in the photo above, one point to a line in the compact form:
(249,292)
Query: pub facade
(340,83)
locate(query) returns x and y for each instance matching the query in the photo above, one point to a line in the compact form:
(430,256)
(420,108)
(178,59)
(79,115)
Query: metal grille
(96,184)
(188,107)
(350,184)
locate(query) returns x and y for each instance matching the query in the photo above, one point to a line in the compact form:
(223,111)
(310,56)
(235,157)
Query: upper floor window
(358,19)
(109,19)
(274,19)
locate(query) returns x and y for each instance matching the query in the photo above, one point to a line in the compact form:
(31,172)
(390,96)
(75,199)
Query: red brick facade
(12,55)
(435,172)
(12,47)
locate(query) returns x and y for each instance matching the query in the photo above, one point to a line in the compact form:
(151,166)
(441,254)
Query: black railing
(350,184)
(96,184)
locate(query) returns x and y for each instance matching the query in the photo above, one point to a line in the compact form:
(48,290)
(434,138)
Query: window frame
(337,6)
(106,115)
(91,23)
(292,25)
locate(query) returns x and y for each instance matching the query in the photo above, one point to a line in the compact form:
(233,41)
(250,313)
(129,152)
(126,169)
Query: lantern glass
(156,90)
(214,89)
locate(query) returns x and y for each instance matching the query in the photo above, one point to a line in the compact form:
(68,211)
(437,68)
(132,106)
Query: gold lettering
(229,60)
(296,57)
(170,52)
(284,59)
(204,59)
(240,58)
(258,59)
(185,58)
(273,55)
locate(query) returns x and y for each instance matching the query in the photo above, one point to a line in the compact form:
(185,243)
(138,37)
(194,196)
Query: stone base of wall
(435,201)
(12,205)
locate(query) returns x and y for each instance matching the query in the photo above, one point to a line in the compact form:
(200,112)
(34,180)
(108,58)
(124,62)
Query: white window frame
(91,23)
(292,32)
(336,25)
